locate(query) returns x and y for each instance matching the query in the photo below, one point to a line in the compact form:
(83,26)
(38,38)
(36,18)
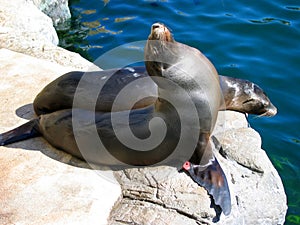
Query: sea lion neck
(160,50)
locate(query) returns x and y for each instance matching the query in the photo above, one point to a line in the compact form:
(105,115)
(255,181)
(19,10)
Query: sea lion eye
(248,100)
(265,103)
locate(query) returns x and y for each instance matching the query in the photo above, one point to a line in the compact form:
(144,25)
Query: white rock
(23,17)
(24,28)
(57,10)
(39,184)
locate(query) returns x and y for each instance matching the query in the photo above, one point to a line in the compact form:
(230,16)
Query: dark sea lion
(59,94)
(246,97)
(239,95)
(59,128)
(73,130)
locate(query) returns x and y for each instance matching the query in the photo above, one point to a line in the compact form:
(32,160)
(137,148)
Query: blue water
(255,40)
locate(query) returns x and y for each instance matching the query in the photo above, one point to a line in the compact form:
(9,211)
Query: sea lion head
(160,50)
(160,32)
(257,102)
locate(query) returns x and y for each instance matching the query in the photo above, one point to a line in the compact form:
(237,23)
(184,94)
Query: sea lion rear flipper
(25,131)
(213,179)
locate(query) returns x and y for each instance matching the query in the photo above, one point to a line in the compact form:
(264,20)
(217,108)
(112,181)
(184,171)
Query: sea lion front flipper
(213,179)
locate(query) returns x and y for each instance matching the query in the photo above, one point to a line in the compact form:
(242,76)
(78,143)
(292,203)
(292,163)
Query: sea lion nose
(156,25)
(272,110)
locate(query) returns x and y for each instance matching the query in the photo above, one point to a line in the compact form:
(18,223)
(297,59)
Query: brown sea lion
(192,71)
(239,95)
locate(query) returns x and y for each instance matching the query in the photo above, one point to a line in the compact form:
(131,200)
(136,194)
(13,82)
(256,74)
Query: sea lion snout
(157,25)
(271,110)
(160,32)
(262,103)
(259,105)
(157,30)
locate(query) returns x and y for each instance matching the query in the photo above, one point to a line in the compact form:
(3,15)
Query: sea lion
(239,95)
(72,130)
(191,70)
(59,94)
(246,97)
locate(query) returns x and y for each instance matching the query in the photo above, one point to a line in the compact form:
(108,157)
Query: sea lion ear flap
(213,179)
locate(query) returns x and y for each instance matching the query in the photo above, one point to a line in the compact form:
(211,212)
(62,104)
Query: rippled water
(255,40)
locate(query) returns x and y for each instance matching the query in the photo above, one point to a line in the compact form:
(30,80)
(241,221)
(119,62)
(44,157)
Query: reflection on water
(102,29)
(93,24)
(293,8)
(270,20)
(119,20)
(88,12)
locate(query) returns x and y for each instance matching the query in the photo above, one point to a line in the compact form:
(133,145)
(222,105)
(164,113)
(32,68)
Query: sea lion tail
(25,131)
(213,179)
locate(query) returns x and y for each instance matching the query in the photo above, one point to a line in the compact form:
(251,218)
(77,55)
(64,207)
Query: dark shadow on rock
(41,145)
(26,112)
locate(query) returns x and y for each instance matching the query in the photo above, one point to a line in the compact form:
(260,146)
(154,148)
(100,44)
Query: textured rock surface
(23,17)
(160,195)
(57,10)
(24,28)
(39,184)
